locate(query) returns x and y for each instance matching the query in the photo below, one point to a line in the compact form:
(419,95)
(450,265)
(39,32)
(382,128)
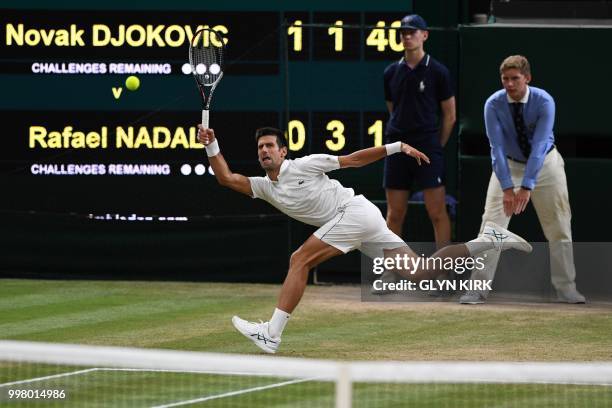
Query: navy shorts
(402,172)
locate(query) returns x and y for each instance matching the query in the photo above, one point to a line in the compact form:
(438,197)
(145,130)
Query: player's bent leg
(493,237)
(310,254)
(426,268)
(435,204)
(267,335)
(397,205)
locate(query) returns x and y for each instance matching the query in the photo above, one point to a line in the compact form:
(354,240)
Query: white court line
(150,370)
(48,377)
(230,394)
(175,404)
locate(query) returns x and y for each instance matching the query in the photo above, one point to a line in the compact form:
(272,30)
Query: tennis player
(302,190)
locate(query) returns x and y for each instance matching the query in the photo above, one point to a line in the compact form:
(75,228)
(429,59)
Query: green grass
(330,323)
(146,389)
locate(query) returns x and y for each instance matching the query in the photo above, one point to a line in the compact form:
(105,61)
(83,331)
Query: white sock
(278,322)
(479,245)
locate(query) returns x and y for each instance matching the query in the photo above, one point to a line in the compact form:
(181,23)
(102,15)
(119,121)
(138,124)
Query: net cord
(581,373)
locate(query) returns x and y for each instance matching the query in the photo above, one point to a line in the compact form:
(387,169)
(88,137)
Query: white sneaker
(504,239)
(257,333)
(570,296)
(472,297)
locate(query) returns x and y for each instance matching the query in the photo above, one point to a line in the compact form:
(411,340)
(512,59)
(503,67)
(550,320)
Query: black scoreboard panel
(75,140)
(131,34)
(91,136)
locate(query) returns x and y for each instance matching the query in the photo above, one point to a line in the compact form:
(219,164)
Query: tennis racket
(206,60)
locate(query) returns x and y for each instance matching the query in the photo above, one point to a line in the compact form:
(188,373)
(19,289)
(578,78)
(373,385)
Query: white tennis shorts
(359,224)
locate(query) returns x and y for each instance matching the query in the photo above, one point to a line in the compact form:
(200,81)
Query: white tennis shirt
(303,190)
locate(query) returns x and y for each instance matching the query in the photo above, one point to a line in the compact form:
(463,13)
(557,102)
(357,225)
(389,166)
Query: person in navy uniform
(421,104)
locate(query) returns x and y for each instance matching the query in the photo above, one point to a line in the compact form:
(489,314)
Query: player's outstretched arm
(366,156)
(224,175)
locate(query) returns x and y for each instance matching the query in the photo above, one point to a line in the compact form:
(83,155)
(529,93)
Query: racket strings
(206,57)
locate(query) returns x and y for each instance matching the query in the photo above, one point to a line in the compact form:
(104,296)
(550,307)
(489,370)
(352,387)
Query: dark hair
(270,131)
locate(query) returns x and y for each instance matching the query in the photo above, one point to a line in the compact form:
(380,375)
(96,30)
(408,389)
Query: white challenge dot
(200,69)
(215,69)
(186,169)
(200,169)
(186,68)
(211,171)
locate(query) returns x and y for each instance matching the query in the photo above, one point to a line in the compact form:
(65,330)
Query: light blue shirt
(539,116)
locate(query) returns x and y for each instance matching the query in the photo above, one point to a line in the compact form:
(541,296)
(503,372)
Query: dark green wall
(572,64)
(217,248)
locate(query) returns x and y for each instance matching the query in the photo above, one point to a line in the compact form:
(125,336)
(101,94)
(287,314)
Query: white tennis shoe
(570,296)
(504,239)
(257,333)
(472,297)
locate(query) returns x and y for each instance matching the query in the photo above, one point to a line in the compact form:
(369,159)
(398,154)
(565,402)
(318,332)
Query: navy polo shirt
(416,95)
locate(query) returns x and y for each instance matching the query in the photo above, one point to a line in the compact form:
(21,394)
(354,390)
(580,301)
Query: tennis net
(50,375)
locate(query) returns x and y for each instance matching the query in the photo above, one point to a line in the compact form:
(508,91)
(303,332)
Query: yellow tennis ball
(132,83)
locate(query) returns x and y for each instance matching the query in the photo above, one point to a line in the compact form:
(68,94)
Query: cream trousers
(551,202)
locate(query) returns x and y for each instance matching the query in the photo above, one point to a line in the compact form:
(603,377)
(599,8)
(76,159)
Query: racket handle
(205,119)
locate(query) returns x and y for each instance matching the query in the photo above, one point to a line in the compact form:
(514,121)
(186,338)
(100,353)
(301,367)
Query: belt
(525,162)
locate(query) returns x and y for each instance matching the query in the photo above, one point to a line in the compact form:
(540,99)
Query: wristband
(393,148)
(212,149)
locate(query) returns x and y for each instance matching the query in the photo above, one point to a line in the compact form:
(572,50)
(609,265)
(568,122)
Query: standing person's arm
(224,175)
(387,89)
(498,156)
(539,147)
(448,119)
(541,136)
(446,97)
(389,106)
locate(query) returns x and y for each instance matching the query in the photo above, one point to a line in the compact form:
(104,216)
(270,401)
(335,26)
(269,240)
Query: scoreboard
(76,140)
